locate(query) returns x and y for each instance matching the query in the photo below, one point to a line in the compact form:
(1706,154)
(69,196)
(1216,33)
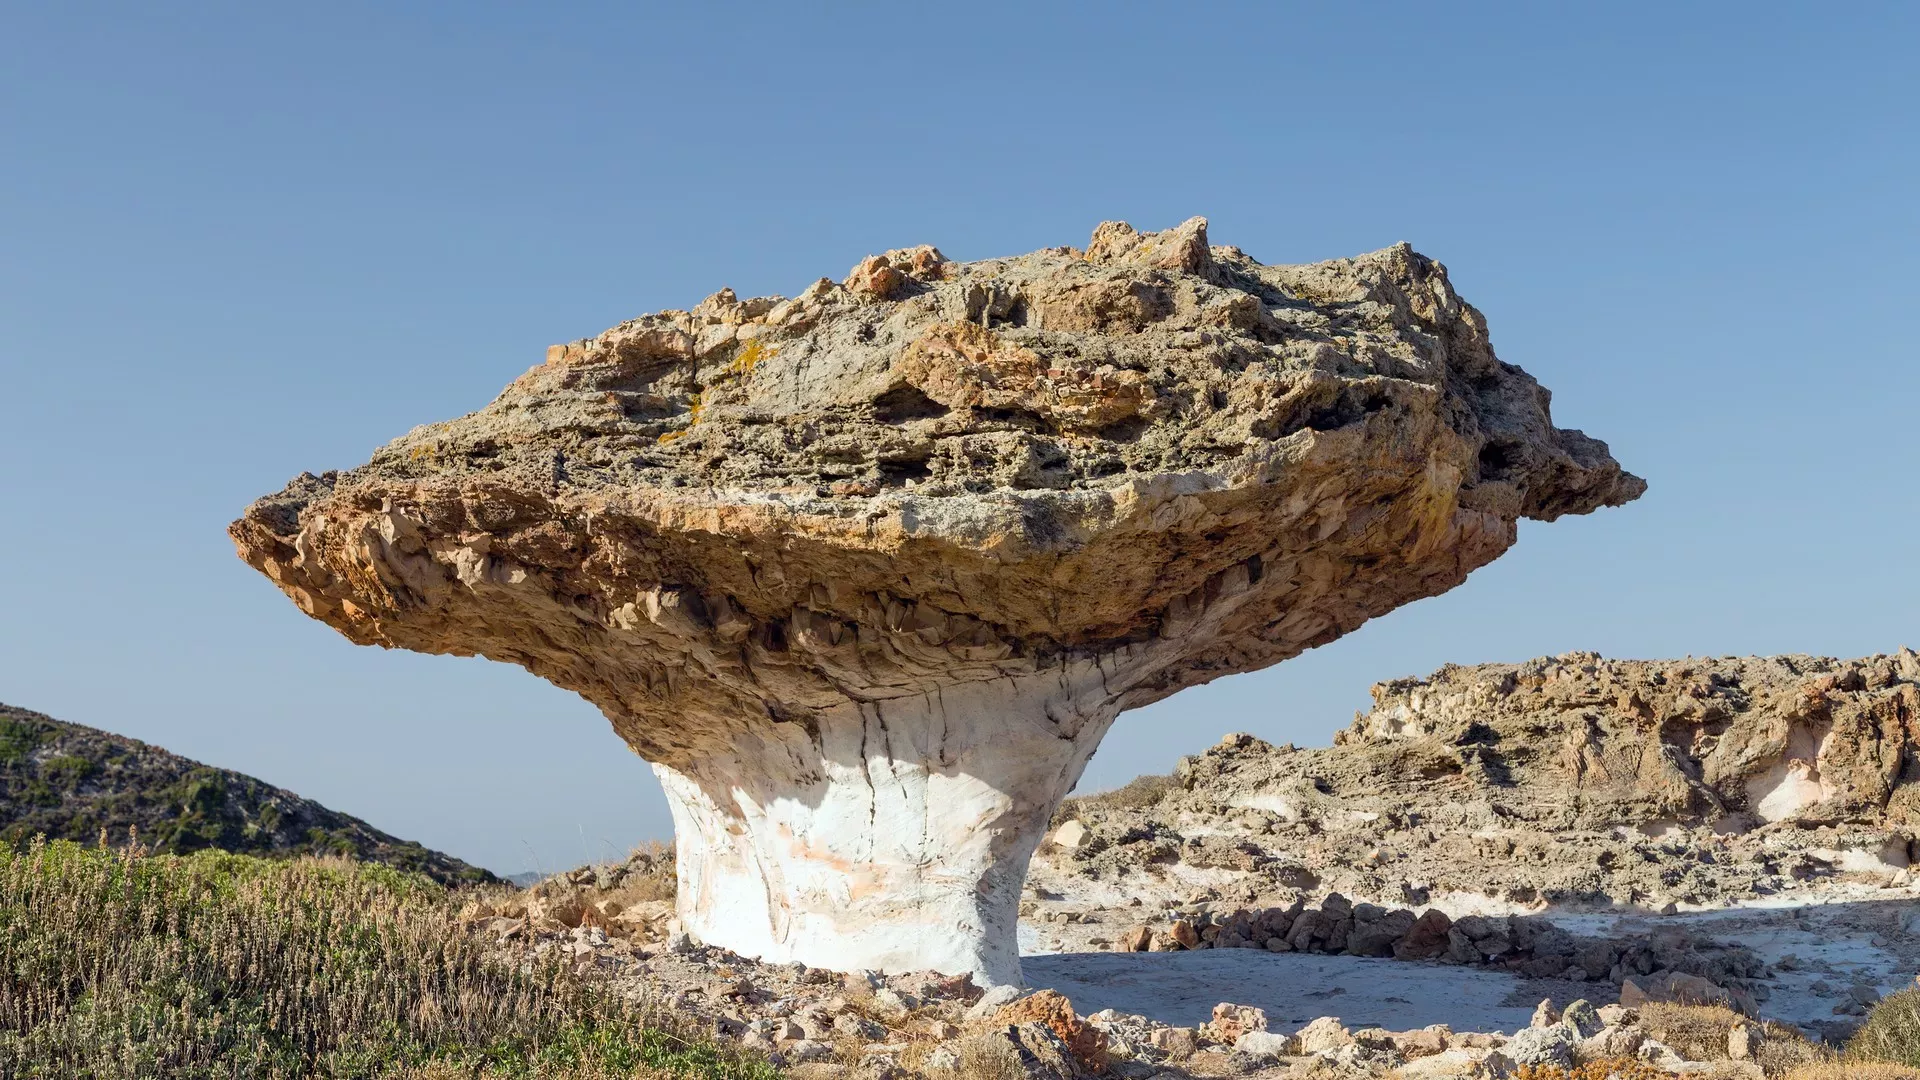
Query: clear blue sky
(239,241)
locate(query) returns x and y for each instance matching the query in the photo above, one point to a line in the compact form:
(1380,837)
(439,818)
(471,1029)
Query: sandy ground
(1822,949)
(1830,948)
(1182,988)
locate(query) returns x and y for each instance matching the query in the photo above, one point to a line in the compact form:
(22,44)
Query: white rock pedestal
(896,836)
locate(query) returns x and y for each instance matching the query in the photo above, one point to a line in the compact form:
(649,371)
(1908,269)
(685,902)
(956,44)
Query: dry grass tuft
(1699,1033)
(1853,1070)
(116,966)
(988,1058)
(1783,1049)
(1136,794)
(446,1071)
(1891,1032)
(650,874)
(1695,1032)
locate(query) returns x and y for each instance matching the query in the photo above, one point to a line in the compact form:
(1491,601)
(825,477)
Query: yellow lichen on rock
(964,365)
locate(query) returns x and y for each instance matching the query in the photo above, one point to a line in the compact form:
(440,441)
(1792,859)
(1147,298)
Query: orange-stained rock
(1231,1021)
(883,277)
(1050,1007)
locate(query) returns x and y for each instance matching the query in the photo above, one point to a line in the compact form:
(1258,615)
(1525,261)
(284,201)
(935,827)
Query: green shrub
(1892,1031)
(121,965)
(18,738)
(67,771)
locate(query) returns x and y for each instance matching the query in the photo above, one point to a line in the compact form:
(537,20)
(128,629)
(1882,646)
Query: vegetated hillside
(69,782)
(120,965)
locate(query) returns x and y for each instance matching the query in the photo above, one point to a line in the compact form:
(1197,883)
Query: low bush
(1891,1032)
(1695,1032)
(1785,1052)
(1699,1033)
(1136,794)
(123,965)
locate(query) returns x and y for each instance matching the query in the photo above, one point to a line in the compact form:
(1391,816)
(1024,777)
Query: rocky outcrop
(1571,780)
(867,572)
(70,782)
(1733,744)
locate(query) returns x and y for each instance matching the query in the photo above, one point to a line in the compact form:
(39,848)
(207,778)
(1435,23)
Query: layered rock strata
(866,573)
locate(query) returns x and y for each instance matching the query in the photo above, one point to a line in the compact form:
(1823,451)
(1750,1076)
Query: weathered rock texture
(867,573)
(1573,780)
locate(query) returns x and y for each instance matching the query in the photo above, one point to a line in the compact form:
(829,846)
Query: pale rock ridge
(1575,780)
(866,573)
(1729,743)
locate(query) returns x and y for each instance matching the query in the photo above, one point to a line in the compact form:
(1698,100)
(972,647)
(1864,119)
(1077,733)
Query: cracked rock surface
(866,573)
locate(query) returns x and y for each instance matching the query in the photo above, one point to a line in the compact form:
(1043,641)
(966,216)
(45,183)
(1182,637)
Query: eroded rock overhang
(766,522)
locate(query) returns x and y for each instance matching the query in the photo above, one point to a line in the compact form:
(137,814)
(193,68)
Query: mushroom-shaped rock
(867,573)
